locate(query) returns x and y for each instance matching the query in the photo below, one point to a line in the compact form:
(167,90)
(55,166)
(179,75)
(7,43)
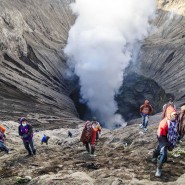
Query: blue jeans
(144,120)
(3,147)
(162,149)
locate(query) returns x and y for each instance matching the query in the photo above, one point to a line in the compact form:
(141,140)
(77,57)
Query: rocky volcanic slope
(162,55)
(64,160)
(32,64)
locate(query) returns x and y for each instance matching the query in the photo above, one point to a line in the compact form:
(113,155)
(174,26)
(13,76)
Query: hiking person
(97,126)
(45,139)
(2,139)
(181,123)
(146,109)
(26,133)
(167,138)
(70,134)
(168,108)
(88,137)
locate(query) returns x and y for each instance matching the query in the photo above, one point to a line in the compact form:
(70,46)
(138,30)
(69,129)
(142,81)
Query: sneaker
(158,172)
(93,155)
(145,129)
(141,126)
(154,160)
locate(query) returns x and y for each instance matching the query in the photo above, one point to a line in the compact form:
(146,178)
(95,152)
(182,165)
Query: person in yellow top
(97,127)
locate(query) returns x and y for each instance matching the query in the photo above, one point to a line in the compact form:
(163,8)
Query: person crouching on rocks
(167,137)
(45,139)
(2,139)
(26,133)
(88,137)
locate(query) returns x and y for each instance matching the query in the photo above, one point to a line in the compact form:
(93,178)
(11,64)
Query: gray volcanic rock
(162,55)
(32,63)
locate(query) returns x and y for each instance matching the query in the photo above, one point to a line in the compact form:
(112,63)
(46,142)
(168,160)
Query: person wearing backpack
(146,109)
(26,133)
(167,138)
(88,137)
(2,139)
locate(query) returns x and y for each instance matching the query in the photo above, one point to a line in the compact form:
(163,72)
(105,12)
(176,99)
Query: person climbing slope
(2,139)
(167,138)
(26,133)
(146,109)
(88,137)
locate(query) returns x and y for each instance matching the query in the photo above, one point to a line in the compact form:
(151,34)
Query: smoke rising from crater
(101,45)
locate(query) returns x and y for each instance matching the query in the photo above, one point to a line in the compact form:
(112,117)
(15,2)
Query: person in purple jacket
(26,133)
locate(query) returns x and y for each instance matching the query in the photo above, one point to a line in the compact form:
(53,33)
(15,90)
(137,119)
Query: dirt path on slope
(124,163)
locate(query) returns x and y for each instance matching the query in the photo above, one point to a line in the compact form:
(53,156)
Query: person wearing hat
(2,139)
(146,109)
(26,133)
(167,138)
(181,123)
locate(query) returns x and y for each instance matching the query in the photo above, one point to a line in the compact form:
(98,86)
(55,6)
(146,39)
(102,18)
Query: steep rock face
(32,65)
(162,55)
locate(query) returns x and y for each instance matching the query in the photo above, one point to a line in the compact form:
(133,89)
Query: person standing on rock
(146,109)
(181,123)
(2,139)
(88,137)
(26,133)
(167,139)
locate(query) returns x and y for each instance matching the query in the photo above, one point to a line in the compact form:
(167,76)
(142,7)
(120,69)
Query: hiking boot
(158,172)
(93,155)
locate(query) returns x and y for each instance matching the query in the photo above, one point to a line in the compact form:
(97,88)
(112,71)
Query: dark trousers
(3,147)
(90,148)
(29,147)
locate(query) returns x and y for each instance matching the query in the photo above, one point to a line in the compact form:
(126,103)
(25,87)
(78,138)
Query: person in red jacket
(167,136)
(146,109)
(88,137)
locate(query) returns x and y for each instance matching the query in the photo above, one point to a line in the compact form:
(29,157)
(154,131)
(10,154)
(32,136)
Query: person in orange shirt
(146,109)
(167,137)
(97,128)
(2,139)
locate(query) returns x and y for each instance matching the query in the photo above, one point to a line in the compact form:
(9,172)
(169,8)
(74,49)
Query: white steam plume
(101,45)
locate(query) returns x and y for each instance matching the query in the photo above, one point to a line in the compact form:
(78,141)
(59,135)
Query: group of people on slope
(170,131)
(26,132)
(90,135)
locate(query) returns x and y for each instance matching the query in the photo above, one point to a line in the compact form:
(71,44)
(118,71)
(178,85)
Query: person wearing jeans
(146,109)
(167,139)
